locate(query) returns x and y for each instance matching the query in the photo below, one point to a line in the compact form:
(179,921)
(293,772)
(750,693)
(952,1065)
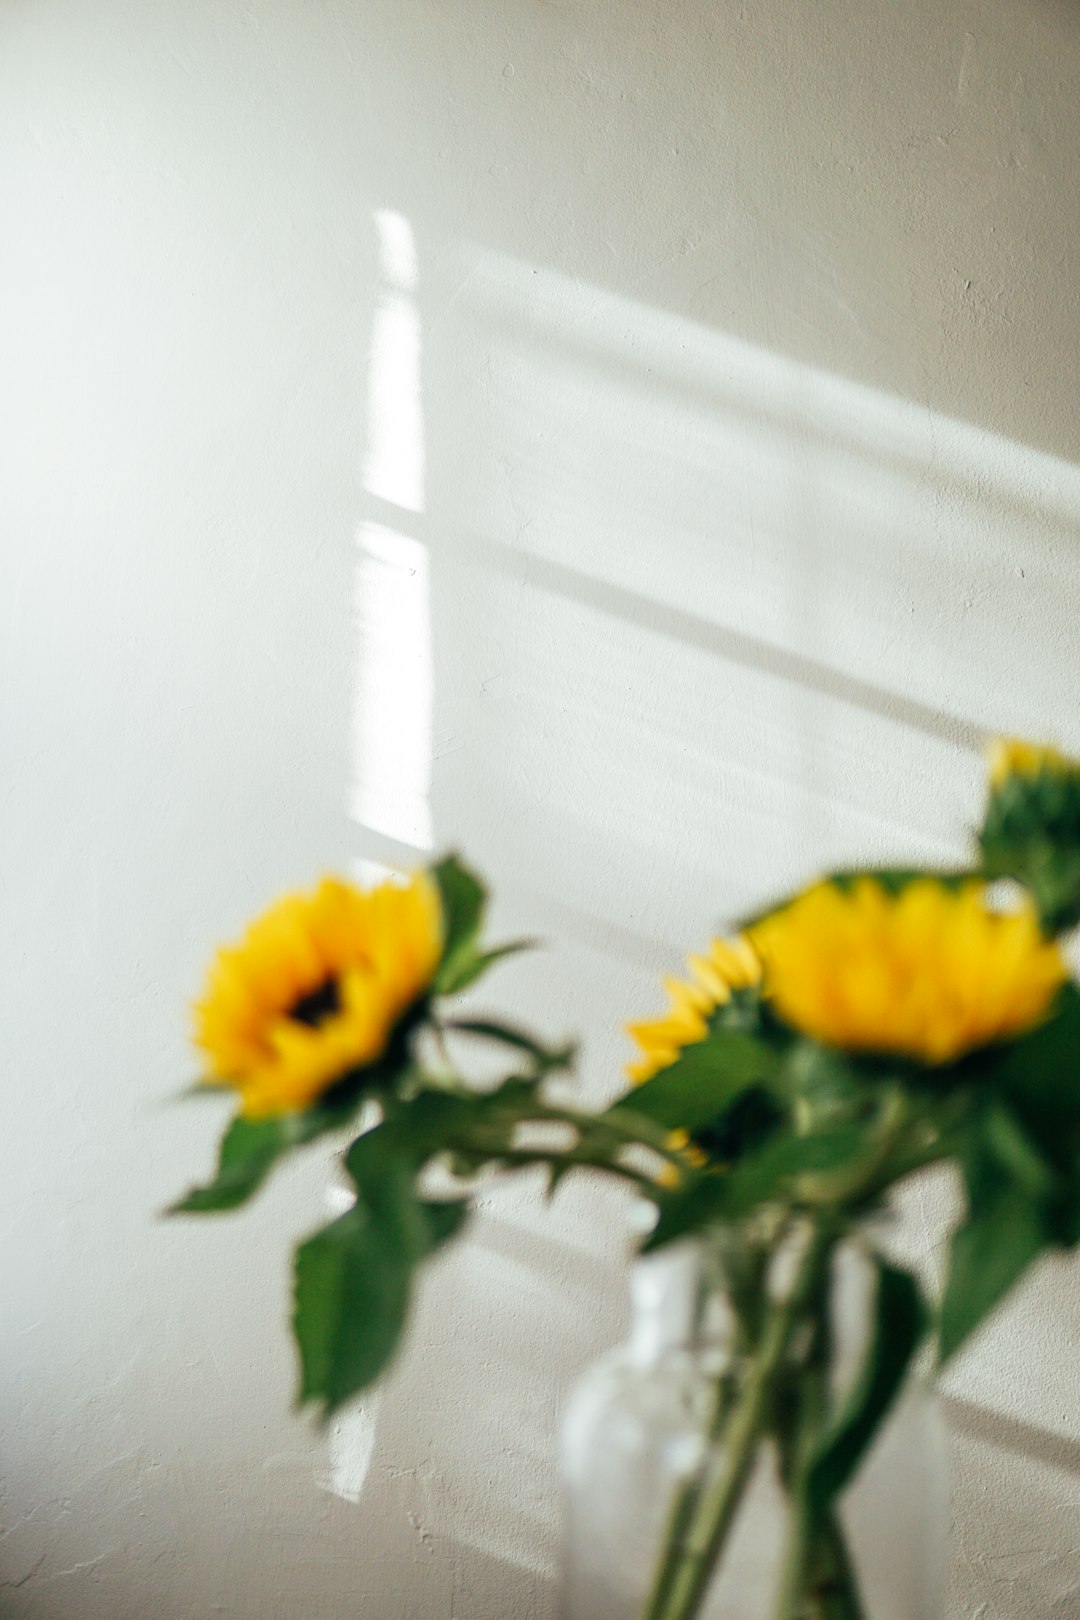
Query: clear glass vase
(648,1425)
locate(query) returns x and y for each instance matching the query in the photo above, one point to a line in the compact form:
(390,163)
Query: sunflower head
(929,972)
(315,989)
(726,968)
(1031,829)
(1012,757)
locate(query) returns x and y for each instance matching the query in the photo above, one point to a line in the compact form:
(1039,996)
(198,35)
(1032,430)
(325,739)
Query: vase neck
(677,1302)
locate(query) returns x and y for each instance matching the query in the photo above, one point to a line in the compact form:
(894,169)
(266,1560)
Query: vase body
(645,1420)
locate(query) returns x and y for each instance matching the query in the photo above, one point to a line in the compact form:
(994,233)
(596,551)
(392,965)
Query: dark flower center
(318,1005)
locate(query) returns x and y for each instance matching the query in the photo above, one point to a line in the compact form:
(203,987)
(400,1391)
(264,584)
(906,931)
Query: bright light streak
(394,458)
(394,722)
(394,710)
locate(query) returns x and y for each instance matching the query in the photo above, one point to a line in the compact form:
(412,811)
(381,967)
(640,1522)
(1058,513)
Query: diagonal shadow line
(717,396)
(751,652)
(732,645)
(1012,1434)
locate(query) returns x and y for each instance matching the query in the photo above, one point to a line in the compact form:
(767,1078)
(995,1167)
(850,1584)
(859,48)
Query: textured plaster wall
(644,432)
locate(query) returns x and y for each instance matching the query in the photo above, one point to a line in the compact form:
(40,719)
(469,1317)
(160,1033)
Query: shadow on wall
(704,618)
(652,623)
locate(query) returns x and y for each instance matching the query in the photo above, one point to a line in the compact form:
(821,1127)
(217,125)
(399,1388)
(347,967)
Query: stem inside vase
(705,1509)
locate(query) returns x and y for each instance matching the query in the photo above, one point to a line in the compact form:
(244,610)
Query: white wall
(691,390)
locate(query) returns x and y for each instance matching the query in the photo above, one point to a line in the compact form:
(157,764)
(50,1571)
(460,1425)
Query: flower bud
(1031,829)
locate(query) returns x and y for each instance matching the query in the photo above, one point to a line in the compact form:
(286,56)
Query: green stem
(743,1274)
(799,1415)
(834,1593)
(600,1137)
(791,1599)
(685,1505)
(688,1567)
(817,1579)
(622,1127)
(572,1160)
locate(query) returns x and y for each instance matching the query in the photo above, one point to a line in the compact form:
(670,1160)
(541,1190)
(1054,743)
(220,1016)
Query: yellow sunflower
(315,988)
(930,972)
(728,965)
(1009,756)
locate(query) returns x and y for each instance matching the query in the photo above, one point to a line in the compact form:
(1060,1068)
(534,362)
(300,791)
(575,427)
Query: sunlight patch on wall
(768,612)
(393,734)
(394,452)
(394,721)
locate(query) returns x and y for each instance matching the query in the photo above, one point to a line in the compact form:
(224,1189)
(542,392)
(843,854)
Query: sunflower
(727,966)
(929,973)
(1009,756)
(315,989)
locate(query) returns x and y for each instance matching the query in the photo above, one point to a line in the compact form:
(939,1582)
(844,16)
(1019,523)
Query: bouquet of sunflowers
(876,1023)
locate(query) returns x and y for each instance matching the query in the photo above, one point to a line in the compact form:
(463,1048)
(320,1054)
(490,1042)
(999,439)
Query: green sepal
(471,964)
(463,899)
(896,1330)
(893,879)
(1048,870)
(1031,832)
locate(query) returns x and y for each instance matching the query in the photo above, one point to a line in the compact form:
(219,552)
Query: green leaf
(704,1080)
(545,1059)
(352,1295)
(249,1149)
(463,899)
(989,1252)
(897,1328)
(445,1219)
(695,1205)
(354,1277)
(1007,1150)
(778,1170)
(788,1160)
(1017,1207)
(412,1134)
(439,1123)
(1040,1072)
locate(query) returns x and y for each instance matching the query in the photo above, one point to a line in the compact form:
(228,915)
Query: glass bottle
(647,1421)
